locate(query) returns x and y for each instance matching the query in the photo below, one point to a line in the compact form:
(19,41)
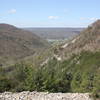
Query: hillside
(75,66)
(87,40)
(16,44)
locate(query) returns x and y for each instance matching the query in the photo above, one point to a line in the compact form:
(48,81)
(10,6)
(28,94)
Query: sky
(49,13)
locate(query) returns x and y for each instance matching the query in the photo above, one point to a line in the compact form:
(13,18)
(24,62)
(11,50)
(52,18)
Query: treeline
(80,73)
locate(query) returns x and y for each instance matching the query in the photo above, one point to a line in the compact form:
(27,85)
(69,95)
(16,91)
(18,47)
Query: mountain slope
(87,40)
(16,43)
(75,66)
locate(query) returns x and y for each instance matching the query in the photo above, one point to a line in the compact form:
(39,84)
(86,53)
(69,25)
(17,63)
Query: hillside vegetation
(80,73)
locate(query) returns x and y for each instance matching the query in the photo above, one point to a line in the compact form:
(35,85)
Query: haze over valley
(56,33)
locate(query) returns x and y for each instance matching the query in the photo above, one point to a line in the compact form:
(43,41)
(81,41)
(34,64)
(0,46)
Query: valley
(49,49)
(71,66)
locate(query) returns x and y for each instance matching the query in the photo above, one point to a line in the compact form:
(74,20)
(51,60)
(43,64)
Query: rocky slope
(76,63)
(88,40)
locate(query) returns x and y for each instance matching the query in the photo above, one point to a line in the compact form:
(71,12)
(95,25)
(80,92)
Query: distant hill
(55,33)
(16,43)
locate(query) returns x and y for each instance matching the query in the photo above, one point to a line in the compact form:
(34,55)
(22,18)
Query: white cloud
(89,19)
(53,17)
(12,11)
(93,19)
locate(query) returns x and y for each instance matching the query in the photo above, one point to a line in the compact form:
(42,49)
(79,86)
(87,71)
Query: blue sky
(49,13)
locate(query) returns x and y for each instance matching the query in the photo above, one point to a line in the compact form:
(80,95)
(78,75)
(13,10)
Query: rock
(26,95)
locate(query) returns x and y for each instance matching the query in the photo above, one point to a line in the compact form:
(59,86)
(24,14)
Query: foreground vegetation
(80,73)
